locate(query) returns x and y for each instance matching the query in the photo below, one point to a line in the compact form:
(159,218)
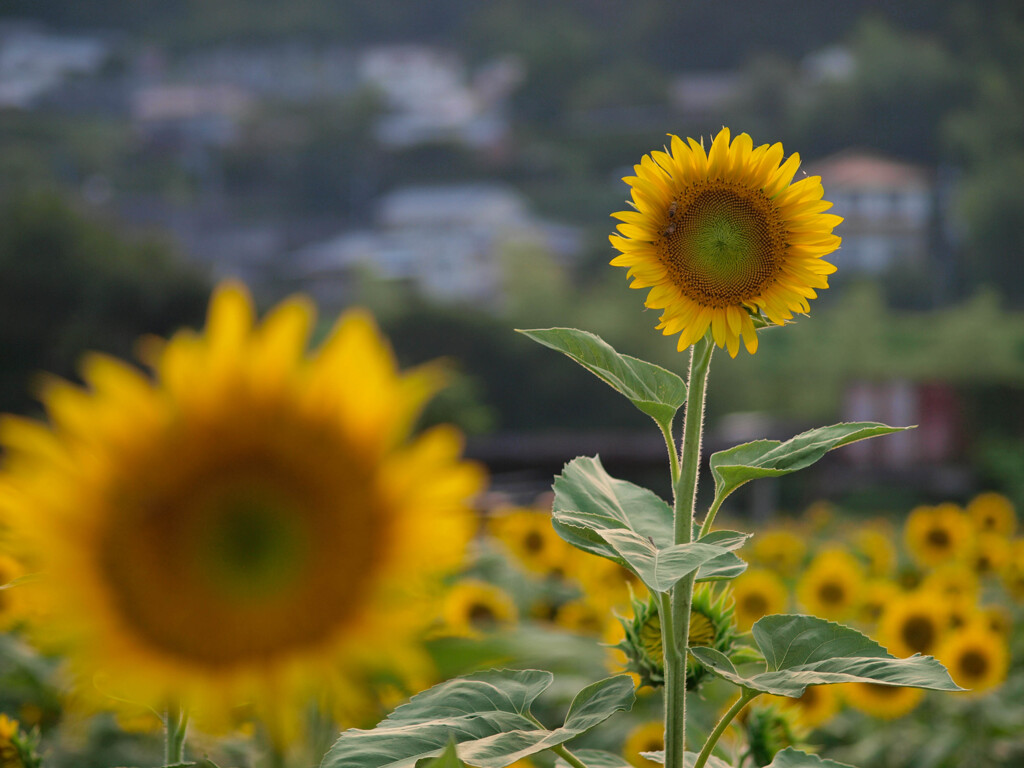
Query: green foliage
(689,759)
(805,650)
(654,390)
(620,521)
(772,458)
(794,758)
(70,284)
(488,715)
(447,759)
(596,758)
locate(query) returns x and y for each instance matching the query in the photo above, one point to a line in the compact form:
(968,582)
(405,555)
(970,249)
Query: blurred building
(446,241)
(887,208)
(33,61)
(180,116)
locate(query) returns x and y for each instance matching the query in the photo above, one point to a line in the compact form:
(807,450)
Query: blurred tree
(68,284)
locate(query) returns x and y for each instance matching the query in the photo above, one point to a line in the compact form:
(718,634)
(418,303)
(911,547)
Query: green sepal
(794,758)
(806,650)
(771,458)
(488,714)
(654,390)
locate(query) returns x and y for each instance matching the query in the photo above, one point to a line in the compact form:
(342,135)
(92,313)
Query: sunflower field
(248,551)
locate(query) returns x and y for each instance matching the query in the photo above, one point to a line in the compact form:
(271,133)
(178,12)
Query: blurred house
(33,62)
(182,116)
(888,210)
(447,241)
(430,97)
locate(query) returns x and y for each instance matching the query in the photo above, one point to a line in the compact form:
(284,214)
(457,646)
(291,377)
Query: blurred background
(453,164)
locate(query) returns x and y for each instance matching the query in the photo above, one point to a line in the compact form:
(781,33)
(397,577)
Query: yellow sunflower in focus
(757,593)
(474,607)
(977,659)
(252,525)
(914,623)
(831,585)
(723,237)
(933,535)
(886,702)
(994,513)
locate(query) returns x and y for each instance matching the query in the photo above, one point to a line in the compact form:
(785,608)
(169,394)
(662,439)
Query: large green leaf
(654,390)
(794,758)
(771,458)
(631,525)
(488,716)
(805,650)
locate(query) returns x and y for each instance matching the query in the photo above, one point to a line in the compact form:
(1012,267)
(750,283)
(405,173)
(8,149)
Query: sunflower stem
(175,726)
(568,756)
(673,455)
(745,698)
(685,488)
(709,520)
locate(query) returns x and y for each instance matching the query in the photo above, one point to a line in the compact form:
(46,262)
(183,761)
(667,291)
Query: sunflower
(472,607)
(913,623)
(582,617)
(780,550)
(977,658)
(770,728)
(12,603)
(646,737)
(1013,571)
(874,597)
(955,582)
(993,512)
(815,707)
(933,535)
(991,553)
(757,593)
(724,238)
(604,582)
(831,585)
(875,544)
(527,534)
(252,524)
(886,702)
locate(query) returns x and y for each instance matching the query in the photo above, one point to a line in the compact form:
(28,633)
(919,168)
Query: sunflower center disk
(724,243)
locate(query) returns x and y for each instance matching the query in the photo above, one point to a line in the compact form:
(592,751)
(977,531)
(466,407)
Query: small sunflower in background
(780,550)
(913,623)
(977,658)
(527,534)
(646,737)
(934,535)
(831,585)
(994,513)
(1013,571)
(874,597)
(472,608)
(725,239)
(816,706)
(954,581)
(582,617)
(757,592)
(991,553)
(604,582)
(875,544)
(253,523)
(885,702)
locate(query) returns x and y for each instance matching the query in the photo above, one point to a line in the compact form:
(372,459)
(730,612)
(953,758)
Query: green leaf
(631,525)
(657,392)
(805,650)
(794,758)
(487,714)
(770,458)
(597,758)
(447,759)
(688,759)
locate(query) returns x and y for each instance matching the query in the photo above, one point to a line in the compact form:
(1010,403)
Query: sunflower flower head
(724,238)
(253,523)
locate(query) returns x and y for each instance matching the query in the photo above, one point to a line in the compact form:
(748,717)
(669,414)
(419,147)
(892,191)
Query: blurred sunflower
(757,592)
(817,705)
(253,524)
(886,702)
(976,658)
(831,585)
(604,582)
(994,513)
(725,237)
(646,737)
(12,603)
(997,619)
(875,545)
(1013,571)
(473,607)
(582,617)
(933,535)
(913,623)
(527,534)
(780,550)
(874,597)
(770,728)
(954,581)
(991,553)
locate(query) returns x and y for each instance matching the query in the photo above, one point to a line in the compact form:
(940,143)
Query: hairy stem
(685,487)
(745,698)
